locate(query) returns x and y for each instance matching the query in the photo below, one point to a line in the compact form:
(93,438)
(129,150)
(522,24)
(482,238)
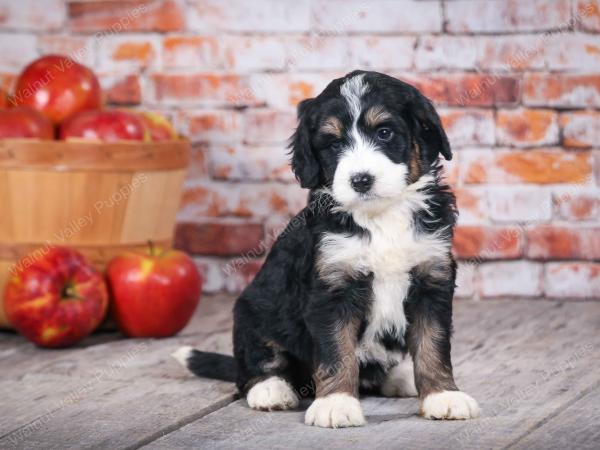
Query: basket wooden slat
(99,198)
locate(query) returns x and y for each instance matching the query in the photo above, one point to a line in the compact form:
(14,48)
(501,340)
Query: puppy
(356,294)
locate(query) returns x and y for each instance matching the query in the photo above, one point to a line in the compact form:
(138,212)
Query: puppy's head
(366,137)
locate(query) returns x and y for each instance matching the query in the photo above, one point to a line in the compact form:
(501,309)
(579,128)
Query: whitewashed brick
(510,279)
(378,16)
(522,204)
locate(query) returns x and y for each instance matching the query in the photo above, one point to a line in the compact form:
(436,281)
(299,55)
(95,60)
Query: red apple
(54,297)
(107,126)
(154,294)
(24,122)
(158,127)
(58,87)
(3,99)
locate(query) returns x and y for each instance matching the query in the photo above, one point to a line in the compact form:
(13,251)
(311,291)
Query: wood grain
(532,365)
(522,361)
(114,392)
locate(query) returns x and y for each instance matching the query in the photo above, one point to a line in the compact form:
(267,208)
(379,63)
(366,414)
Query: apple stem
(151,248)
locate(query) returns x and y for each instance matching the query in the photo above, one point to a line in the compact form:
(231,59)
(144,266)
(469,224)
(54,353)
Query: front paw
(335,411)
(449,405)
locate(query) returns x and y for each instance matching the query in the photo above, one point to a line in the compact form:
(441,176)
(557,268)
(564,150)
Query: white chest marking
(389,253)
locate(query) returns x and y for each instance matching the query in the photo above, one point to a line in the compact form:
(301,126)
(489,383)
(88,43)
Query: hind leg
(400,380)
(263,373)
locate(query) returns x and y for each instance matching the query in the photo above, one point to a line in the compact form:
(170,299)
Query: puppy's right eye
(336,145)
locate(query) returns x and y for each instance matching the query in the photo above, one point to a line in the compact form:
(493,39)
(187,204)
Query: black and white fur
(356,294)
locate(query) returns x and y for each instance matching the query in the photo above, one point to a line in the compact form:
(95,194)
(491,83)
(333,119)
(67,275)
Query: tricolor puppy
(356,294)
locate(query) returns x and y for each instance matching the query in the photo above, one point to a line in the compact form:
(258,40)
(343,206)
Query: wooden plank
(109,392)
(574,427)
(526,368)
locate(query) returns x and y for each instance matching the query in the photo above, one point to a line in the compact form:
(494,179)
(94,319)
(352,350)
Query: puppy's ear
(428,128)
(304,162)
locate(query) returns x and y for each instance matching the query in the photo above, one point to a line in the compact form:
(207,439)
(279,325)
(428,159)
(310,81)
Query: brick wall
(516,82)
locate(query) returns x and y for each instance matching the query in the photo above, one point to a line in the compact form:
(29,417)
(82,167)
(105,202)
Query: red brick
(484,242)
(249,163)
(580,129)
(472,205)
(128,52)
(202,199)
(468,127)
(376,16)
(135,15)
(575,206)
(219,239)
(215,126)
(31,15)
(522,204)
(556,242)
(468,89)
(192,52)
(202,88)
(574,280)
(587,14)
(527,127)
(121,89)
(269,126)
(243,16)
(510,279)
(482,16)
(562,90)
(526,166)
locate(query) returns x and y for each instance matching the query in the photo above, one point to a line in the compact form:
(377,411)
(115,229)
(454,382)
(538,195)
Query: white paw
(449,405)
(272,394)
(335,411)
(400,381)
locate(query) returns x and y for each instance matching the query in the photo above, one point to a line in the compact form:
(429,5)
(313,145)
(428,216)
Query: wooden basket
(99,198)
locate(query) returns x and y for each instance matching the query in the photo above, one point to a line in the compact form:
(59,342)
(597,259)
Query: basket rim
(78,155)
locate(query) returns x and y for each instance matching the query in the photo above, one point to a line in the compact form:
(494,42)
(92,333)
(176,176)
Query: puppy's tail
(207,364)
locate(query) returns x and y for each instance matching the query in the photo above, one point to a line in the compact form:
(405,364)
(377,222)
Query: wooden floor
(534,366)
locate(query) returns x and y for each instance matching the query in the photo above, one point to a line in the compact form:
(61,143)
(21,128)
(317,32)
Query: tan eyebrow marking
(332,125)
(376,114)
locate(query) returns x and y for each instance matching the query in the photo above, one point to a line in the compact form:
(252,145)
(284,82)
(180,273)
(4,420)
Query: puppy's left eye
(385,134)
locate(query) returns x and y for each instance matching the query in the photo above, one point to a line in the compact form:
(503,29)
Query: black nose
(362,182)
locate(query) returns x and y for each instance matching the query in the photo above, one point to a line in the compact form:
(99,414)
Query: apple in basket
(55,297)
(154,293)
(106,126)
(58,87)
(24,122)
(158,126)
(4,101)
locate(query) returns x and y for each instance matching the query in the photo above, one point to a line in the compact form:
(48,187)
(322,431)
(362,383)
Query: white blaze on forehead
(363,155)
(353,90)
